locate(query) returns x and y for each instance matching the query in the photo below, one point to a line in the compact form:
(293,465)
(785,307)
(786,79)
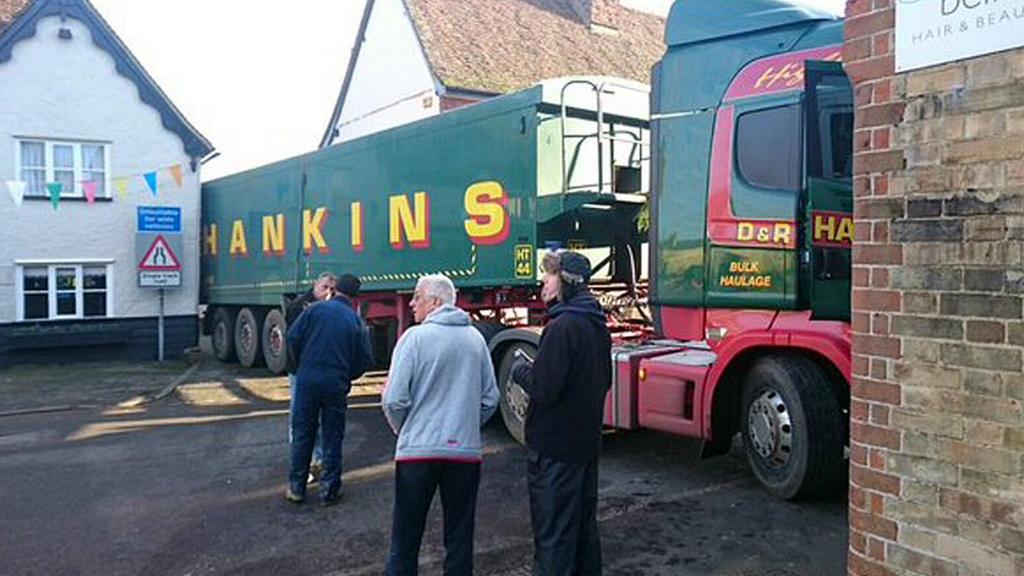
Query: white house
(418,58)
(85,137)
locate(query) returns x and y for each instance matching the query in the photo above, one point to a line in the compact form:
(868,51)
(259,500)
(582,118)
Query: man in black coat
(567,383)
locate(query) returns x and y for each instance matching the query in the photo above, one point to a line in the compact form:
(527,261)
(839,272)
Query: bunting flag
(176,174)
(121,184)
(17,190)
(151,181)
(90,191)
(55,189)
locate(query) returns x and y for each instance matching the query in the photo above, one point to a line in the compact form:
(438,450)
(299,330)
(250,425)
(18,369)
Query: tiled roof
(498,46)
(9,10)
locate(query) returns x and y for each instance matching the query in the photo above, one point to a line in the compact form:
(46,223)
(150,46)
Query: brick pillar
(937,425)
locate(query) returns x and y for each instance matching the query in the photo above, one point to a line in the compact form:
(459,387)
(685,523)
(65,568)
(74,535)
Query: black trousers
(415,485)
(563,511)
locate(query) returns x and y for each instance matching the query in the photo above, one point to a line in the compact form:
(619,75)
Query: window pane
(36,306)
(92,157)
(63,156)
(768,148)
(94,304)
(35,180)
(65,278)
(99,178)
(33,155)
(841,137)
(94,278)
(66,304)
(67,181)
(34,279)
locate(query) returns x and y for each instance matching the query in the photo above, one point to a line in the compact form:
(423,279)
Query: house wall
(937,409)
(69,89)
(392,83)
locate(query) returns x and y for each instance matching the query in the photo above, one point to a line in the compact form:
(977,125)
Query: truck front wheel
(275,349)
(248,327)
(223,335)
(514,401)
(792,427)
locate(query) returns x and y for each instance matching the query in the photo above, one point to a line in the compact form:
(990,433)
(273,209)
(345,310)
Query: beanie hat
(573,267)
(349,285)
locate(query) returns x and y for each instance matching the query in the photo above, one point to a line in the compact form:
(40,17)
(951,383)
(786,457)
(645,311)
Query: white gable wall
(391,79)
(69,89)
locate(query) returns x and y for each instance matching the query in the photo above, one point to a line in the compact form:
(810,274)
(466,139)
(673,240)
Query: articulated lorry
(741,325)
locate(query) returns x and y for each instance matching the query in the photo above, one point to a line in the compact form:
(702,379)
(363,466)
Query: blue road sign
(159,219)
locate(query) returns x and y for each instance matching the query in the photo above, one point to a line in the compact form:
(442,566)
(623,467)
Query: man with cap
(567,383)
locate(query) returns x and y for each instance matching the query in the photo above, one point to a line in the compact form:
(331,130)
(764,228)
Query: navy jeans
(318,450)
(415,485)
(563,511)
(323,402)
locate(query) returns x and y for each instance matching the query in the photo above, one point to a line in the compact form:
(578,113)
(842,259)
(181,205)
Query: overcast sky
(259,78)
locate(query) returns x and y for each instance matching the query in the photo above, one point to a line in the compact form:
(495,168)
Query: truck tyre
(792,427)
(248,327)
(223,335)
(514,400)
(273,341)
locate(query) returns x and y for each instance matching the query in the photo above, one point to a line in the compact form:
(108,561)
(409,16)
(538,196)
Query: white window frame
(54,312)
(51,287)
(79,162)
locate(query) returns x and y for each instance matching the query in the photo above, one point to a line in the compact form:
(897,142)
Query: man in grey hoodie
(441,389)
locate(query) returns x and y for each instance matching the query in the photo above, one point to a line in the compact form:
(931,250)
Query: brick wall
(937,431)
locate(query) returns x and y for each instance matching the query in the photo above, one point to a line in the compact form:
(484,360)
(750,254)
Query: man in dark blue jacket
(321,290)
(567,383)
(332,347)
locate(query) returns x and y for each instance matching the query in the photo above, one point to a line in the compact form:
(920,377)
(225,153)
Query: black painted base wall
(95,340)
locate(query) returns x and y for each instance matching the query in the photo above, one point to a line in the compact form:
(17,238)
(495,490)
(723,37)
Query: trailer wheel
(274,343)
(792,427)
(514,400)
(248,326)
(223,335)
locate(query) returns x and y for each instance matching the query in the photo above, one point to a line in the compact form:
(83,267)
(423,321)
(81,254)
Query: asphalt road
(184,489)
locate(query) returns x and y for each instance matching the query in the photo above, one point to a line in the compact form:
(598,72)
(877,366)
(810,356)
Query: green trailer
(473,194)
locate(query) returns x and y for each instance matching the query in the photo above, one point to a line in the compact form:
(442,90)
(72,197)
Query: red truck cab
(751,232)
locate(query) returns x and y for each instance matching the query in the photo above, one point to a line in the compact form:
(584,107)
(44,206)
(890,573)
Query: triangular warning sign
(160,257)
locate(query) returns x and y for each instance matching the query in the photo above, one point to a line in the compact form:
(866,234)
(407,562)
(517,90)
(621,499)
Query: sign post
(160,330)
(157,246)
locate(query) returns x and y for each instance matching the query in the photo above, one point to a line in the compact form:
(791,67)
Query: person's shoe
(330,498)
(293,497)
(316,469)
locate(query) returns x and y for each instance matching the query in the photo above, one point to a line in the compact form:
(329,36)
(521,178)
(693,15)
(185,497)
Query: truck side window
(768,148)
(832,156)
